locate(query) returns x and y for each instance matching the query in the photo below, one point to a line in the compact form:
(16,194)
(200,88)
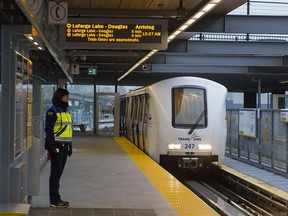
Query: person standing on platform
(58,142)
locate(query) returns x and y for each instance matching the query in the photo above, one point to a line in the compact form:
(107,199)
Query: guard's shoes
(60,204)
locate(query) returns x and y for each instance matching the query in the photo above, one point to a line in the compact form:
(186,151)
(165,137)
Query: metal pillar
(259,121)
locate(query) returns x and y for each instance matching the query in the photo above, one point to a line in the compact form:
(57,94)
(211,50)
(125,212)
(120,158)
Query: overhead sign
(114,33)
(58,12)
(92,71)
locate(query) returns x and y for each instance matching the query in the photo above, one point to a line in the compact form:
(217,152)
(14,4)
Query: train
(179,122)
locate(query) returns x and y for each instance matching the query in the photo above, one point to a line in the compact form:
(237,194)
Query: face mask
(64,104)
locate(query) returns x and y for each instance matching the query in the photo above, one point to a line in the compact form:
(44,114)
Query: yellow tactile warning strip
(257,182)
(180,197)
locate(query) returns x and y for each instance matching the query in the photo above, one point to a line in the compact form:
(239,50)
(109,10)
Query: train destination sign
(114,33)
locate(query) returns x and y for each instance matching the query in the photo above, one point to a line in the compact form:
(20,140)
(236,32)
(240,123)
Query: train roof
(178,81)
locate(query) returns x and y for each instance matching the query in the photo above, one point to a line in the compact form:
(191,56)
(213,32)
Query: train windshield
(188,105)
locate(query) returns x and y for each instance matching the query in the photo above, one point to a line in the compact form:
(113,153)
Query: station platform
(111,177)
(267,179)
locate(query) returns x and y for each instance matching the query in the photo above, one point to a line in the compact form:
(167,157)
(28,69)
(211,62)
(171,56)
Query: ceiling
(113,63)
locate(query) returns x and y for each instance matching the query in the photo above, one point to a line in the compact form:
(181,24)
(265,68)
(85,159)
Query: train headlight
(204,147)
(174,146)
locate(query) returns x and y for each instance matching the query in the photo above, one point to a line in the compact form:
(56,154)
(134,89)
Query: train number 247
(189,146)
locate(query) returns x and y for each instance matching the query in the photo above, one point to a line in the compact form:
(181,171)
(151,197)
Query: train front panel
(181,122)
(186,126)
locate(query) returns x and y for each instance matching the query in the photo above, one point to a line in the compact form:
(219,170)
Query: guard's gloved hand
(70,150)
(51,147)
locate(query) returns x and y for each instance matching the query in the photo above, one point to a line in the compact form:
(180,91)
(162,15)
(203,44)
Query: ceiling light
(190,21)
(199,14)
(183,27)
(208,7)
(171,37)
(215,1)
(34,40)
(283,81)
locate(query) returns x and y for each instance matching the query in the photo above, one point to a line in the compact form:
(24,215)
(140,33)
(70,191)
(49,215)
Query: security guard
(58,143)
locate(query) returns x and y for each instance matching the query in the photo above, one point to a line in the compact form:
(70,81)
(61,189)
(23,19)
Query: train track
(215,199)
(231,195)
(259,196)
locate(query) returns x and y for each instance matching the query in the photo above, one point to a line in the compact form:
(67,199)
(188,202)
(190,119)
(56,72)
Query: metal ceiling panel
(102,4)
(79,4)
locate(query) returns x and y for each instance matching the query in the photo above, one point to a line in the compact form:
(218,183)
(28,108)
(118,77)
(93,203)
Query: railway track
(229,194)
(249,194)
(215,199)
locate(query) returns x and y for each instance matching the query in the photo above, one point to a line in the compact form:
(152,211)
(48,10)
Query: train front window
(188,103)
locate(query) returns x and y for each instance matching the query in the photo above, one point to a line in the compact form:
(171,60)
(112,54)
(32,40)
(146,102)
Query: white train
(179,122)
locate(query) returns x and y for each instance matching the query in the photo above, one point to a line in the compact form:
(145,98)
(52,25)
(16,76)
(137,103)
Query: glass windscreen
(189,107)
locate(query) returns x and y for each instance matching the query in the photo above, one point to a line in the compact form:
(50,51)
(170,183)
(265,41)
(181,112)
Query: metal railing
(84,118)
(239,37)
(265,141)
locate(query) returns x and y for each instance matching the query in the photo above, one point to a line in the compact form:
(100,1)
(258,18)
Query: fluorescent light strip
(204,10)
(208,7)
(215,1)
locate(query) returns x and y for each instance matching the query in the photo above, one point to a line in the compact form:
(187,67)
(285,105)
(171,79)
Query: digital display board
(91,33)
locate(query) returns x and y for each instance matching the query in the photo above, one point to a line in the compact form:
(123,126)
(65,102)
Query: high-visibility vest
(63,127)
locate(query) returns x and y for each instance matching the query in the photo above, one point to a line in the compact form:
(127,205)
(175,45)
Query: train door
(107,114)
(135,120)
(123,130)
(130,119)
(145,122)
(141,122)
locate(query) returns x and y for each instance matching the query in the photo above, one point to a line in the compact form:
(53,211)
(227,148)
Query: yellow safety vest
(63,127)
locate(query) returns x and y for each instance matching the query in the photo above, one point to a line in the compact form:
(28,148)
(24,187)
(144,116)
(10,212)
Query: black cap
(59,93)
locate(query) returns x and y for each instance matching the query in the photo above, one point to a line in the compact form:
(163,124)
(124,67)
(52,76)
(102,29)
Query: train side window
(138,100)
(129,111)
(133,108)
(147,108)
(141,108)
(188,103)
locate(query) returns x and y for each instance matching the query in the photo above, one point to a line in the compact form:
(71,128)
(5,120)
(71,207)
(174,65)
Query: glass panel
(47,92)
(19,112)
(185,100)
(81,101)
(279,141)
(266,138)
(233,129)
(106,114)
